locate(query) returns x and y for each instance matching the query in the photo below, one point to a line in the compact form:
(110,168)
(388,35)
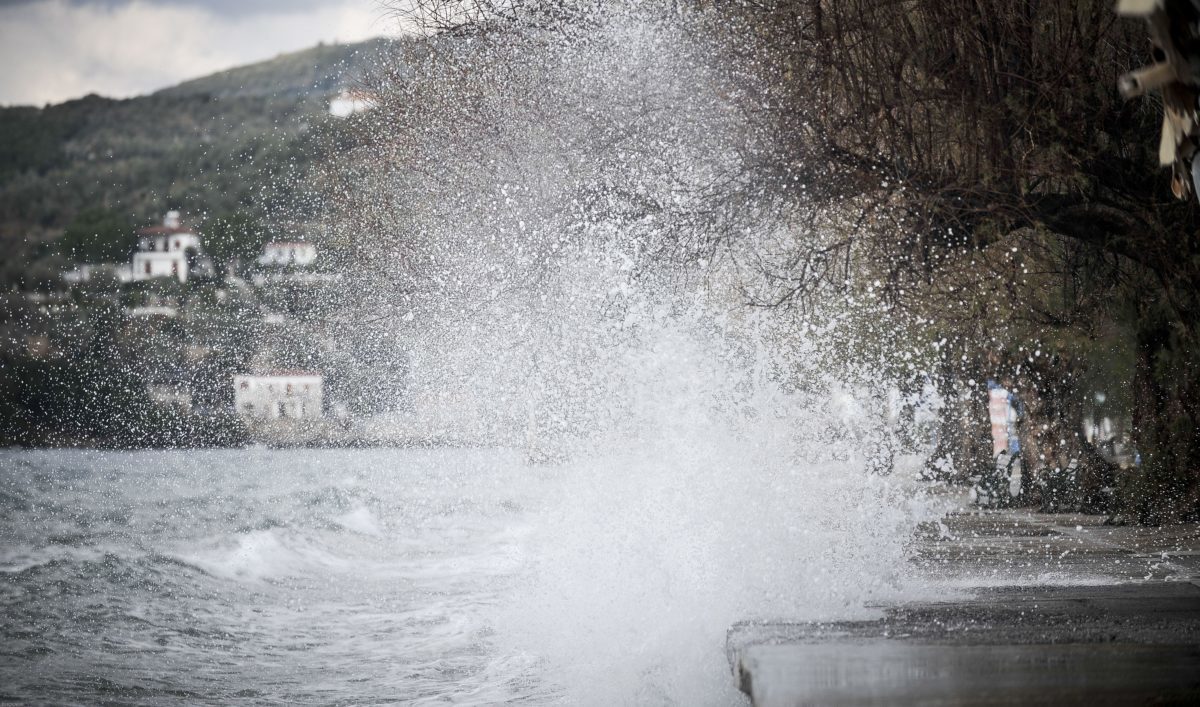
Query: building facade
(281,395)
(88,272)
(284,253)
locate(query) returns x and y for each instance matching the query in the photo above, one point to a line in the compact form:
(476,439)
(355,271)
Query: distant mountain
(320,71)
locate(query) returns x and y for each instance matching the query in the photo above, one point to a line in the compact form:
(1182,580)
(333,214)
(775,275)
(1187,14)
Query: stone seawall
(1040,609)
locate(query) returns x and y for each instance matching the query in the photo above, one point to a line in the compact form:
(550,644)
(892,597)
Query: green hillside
(317,71)
(228,150)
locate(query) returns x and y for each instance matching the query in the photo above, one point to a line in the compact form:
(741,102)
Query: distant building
(38,346)
(169,396)
(87,272)
(153,310)
(169,250)
(348,103)
(196,352)
(278,395)
(284,253)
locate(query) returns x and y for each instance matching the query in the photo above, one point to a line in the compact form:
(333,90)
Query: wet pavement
(1037,609)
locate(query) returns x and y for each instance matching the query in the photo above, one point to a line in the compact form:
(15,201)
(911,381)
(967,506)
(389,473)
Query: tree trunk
(964,430)
(1165,486)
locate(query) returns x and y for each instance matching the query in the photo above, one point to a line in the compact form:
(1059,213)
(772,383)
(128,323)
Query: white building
(348,103)
(153,310)
(284,253)
(169,396)
(87,272)
(169,250)
(278,395)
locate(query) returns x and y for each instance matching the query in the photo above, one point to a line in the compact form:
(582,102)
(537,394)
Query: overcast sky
(53,50)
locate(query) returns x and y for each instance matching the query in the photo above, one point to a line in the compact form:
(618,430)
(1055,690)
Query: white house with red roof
(169,250)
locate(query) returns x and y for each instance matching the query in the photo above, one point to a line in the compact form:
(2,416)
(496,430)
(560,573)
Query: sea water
(395,576)
(261,576)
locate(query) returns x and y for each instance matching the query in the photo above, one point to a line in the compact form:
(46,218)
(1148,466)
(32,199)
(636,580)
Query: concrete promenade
(1044,609)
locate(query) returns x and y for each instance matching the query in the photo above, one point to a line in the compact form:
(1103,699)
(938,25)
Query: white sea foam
(360,520)
(265,554)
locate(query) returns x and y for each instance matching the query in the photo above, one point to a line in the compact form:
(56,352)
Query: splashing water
(699,473)
(712,504)
(563,261)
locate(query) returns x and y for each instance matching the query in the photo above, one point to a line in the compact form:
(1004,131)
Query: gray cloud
(52,50)
(221,7)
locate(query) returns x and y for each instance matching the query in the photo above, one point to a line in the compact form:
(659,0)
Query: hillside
(226,149)
(317,71)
